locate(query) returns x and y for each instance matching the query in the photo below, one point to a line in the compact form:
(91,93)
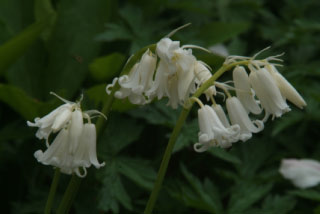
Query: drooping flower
(213,132)
(268,92)
(244,92)
(238,115)
(74,147)
(203,74)
(286,89)
(303,173)
(54,121)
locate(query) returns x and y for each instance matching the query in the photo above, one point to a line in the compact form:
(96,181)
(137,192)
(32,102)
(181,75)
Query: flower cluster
(74,147)
(176,75)
(174,72)
(263,89)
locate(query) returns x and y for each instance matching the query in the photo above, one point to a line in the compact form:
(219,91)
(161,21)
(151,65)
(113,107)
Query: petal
(61,119)
(243,90)
(303,173)
(268,92)
(76,129)
(286,89)
(238,115)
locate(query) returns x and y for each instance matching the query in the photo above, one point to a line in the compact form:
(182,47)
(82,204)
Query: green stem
(183,116)
(165,161)
(75,181)
(69,195)
(52,192)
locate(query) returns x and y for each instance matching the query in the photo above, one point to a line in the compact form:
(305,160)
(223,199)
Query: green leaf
(187,136)
(71,45)
(97,94)
(17,46)
(113,192)
(157,113)
(217,32)
(207,193)
(245,193)
(224,155)
(278,204)
(120,132)
(43,9)
(307,194)
(106,67)
(137,170)
(17,99)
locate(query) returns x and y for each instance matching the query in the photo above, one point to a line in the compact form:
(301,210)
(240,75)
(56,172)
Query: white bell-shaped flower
(286,89)
(222,116)
(74,147)
(268,92)
(243,90)
(303,173)
(86,154)
(57,154)
(213,132)
(54,121)
(238,115)
(202,74)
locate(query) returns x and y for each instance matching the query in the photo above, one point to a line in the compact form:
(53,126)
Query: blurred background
(74,46)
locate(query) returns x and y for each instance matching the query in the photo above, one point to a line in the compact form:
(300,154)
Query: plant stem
(69,195)
(165,161)
(75,181)
(183,116)
(52,192)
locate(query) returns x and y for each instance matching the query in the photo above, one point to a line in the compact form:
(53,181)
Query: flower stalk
(52,192)
(173,138)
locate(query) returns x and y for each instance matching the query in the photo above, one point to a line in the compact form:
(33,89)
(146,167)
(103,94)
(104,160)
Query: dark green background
(78,46)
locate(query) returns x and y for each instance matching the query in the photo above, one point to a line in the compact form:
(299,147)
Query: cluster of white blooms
(264,89)
(74,147)
(176,75)
(174,72)
(303,173)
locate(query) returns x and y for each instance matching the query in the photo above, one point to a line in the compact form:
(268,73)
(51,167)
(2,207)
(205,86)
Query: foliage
(74,47)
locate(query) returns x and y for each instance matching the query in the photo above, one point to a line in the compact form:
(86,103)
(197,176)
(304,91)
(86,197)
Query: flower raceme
(176,75)
(303,173)
(74,147)
(174,72)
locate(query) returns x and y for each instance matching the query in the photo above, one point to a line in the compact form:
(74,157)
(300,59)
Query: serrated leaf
(187,136)
(113,192)
(210,199)
(119,133)
(245,194)
(224,155)
(137,170)
(157,113)
(307,194)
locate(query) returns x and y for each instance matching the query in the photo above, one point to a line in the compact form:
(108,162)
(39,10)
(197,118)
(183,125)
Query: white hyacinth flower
(238,115)
(222,116)
(268,93)
(203,73)
(243,90)
(286,89)
(54,121)
(139,80)
(74,147)
(303,173)
(213,132)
